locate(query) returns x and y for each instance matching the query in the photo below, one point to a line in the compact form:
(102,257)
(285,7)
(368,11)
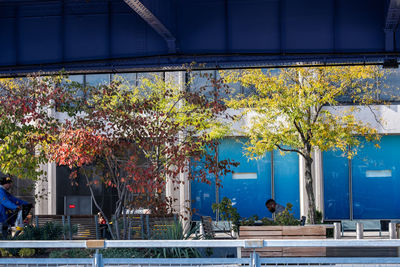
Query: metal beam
(154,22)
(392,22)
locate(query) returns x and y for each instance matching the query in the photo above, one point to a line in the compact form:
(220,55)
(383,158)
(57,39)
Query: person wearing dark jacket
(9,205)
(274,207)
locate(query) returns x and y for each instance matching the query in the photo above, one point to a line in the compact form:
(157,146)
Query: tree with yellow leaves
(288,111)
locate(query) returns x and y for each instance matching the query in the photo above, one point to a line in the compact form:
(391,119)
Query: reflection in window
(336,185)
(391,87)
(76,78)
(148,75)
(97,79)
(201,81)
(232,90)
(129,79)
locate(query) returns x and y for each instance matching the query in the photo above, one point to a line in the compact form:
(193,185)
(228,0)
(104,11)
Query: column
(183,193)
(318,180)
(302,188)
(41,199)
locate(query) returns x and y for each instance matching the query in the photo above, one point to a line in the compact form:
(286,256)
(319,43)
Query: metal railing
(253,261)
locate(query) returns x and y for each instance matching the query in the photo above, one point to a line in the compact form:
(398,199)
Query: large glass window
(203,195)
(336,185)
(97,79)
(127,78)
(286,180)
(201,81)
(250,186)
(376,180)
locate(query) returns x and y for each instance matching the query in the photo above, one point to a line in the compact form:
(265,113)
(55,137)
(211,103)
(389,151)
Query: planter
(284,232)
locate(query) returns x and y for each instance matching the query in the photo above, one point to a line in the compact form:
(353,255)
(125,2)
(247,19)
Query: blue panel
(308,25)
(131,35)
(286,180)
(376,180)
(7,12)
(361,32)
(201,26)
(165,11)
(86,37)
(248,21)
(202,195)
(7,45)
(219,33)
(40,40)
(336,185)
(247,195)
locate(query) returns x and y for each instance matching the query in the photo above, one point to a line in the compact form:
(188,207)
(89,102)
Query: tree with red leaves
(27,124)
(136,137)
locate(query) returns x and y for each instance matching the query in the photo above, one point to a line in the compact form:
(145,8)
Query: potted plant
(285,226)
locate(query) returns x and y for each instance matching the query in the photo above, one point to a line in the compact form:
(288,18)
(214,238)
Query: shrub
(122,253)
(227,212)
(49,231)
(284,218)
(175,232)
(26,252)
(71,253)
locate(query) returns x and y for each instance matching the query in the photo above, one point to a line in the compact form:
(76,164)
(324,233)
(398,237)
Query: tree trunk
(310,189)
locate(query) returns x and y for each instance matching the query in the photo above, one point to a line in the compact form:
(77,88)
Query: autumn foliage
(136,138)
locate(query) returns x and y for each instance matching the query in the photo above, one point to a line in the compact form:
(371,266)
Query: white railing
(253,261)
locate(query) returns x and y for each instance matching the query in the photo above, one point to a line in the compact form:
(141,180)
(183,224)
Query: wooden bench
(85,225)
(146,226)
(369,225)
(139,226)
(284,232)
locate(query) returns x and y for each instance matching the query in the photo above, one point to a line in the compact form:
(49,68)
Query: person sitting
(274,207)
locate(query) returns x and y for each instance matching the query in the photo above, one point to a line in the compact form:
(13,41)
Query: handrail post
(98,259)
(64,227)
(255,260)
(116,226)
(69,227)
(148,226)
(360,230)
(141,226)
(96,222)
(392,231)
(201,230)
(336,230)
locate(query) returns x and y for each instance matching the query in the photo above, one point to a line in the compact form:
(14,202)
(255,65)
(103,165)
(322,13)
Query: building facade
(364,187)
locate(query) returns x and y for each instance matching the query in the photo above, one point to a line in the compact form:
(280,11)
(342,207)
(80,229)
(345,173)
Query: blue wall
(375,180)
(247,195)
(286,180)
(250,191)
(336,185)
